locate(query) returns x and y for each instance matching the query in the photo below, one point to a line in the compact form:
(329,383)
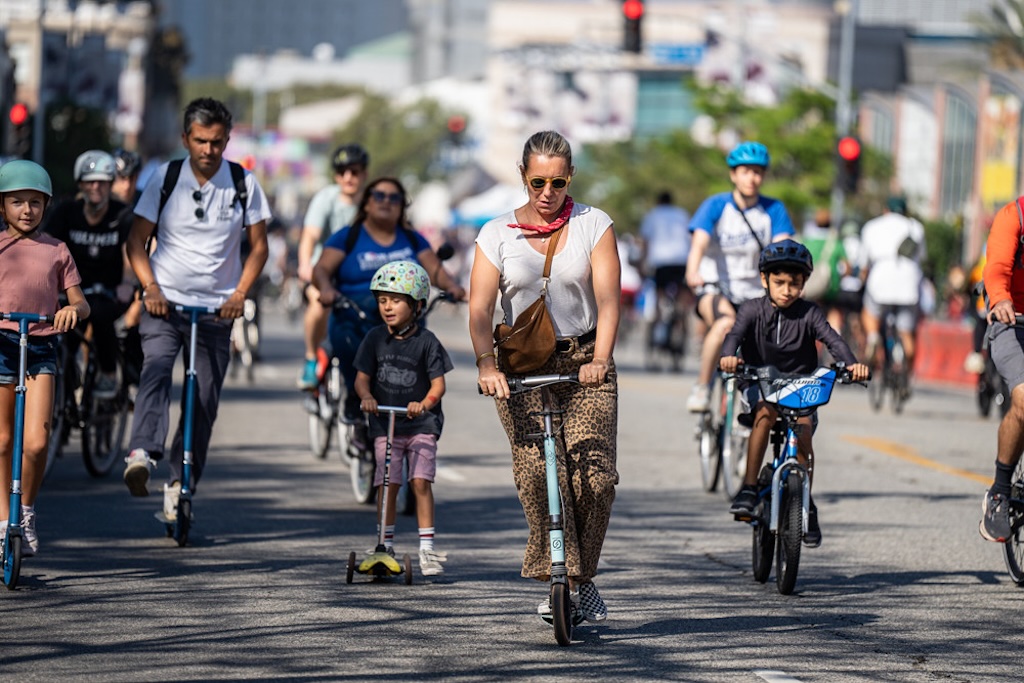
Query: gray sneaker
(28,532)
(995,518)
(172,492)
(430,563)
(136,472)
(544,610)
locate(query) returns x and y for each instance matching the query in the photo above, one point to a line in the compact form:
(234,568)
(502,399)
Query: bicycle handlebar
(752,373)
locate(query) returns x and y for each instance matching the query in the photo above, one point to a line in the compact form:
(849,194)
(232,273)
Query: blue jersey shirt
(355,273)
(731,258)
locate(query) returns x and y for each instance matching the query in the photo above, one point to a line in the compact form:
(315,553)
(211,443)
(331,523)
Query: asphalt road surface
(902,589)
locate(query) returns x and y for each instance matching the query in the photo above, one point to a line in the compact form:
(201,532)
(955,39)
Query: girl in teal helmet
(400,363)
(35,269)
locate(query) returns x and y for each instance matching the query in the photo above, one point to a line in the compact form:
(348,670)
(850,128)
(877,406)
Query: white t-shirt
(893,280)
(571,301)
(198,261)
(666,230)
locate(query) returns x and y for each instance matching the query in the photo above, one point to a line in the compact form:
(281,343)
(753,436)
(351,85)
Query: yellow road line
(898,450)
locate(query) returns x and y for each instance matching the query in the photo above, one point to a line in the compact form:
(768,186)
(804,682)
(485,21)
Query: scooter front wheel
(407,565)
(561,613)
(351,567)
(12,561)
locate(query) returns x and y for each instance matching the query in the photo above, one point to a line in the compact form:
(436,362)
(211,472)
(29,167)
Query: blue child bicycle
(14,537)
(784,488)
(179,527)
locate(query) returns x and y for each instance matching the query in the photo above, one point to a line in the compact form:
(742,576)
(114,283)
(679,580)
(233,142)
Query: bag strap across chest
(546,275)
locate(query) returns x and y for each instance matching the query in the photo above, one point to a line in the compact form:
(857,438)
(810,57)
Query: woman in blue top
(380,233)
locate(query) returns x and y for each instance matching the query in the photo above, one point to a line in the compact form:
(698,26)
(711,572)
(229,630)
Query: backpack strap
(241,193)
(170,180)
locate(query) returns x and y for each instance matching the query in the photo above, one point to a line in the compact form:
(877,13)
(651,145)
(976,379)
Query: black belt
(574,343)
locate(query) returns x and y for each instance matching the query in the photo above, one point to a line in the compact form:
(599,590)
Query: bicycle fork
(790,466)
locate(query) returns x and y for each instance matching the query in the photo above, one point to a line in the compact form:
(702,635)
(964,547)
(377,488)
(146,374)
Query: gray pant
(162,340)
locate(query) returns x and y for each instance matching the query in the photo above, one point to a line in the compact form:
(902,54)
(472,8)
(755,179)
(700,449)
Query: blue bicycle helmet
(784,255)
(749,153)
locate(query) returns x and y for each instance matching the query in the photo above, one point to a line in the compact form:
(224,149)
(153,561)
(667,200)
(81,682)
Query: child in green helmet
(35,269)
(401,363)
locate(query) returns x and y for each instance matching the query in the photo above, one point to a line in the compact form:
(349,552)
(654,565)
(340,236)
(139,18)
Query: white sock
(426,538)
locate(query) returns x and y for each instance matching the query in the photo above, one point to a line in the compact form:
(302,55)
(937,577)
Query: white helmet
(94,165)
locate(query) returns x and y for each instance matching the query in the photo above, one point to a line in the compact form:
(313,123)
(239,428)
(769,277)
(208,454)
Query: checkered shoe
(591,605)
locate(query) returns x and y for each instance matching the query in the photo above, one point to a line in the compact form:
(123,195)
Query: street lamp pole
(848,10)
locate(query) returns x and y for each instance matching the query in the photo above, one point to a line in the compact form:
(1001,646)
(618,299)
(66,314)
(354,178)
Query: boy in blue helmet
(730,229)
(781,329)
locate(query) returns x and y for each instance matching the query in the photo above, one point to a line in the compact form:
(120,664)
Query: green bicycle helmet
(402,277)
(22,174)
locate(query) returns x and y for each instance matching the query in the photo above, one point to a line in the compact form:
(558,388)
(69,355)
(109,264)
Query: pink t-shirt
(33,273)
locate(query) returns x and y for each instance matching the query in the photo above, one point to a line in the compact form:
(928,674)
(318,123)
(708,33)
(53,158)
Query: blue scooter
(14,538)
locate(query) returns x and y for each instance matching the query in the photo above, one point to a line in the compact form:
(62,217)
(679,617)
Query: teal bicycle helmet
(749,153)
(22,174)
(402,277)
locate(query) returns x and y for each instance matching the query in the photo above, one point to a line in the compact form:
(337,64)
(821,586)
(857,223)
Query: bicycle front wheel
(103,436)
(764,545)
(734,451)
(791,531)
(362,470)
(1013,549)
(877,387)
(320,427)
(710,438)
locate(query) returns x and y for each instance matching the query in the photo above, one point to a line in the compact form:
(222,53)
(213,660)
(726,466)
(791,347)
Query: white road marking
(448,474)
(775,676)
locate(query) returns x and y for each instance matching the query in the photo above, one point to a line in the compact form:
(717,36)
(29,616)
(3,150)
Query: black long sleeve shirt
(783,337)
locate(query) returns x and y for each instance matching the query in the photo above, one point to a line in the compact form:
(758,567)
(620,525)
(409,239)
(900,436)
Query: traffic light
(632,15)
(456,129)
(848,164)
(19,133)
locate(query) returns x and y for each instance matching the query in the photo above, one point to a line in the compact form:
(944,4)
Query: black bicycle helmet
(126,164)
(786,254)
(350,155)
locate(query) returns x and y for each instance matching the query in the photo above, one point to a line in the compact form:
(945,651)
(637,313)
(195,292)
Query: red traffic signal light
(849,148)
(456,124)
(633,9)
(632,13)
(18,113)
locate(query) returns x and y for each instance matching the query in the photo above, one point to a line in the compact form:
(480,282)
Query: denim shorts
(42,356)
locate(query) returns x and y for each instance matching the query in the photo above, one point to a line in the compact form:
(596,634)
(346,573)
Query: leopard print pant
(586,451)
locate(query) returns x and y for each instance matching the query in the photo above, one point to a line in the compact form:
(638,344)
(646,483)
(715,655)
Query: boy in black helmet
(781,329)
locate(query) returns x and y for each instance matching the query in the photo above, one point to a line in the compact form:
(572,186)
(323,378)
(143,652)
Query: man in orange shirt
(1004,284)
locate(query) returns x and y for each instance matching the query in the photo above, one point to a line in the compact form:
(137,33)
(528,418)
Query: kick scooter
(14,537)
(563,616)
(179,527)
(380,563)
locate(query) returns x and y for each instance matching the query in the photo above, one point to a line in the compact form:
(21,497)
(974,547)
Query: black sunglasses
(386,197)
(197,197)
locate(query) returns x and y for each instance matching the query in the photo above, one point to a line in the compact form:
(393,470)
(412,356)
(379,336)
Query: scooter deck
(374,561)
(161,517)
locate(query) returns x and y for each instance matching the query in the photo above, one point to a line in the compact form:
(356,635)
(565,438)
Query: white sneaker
(136,472)
(544,610)
(974,363)
(171,494)
(430,563)
(28,532)
(700,399)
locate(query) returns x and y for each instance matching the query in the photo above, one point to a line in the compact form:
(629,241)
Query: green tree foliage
(623,178)
(404,141)
(71,130)
(1003,25)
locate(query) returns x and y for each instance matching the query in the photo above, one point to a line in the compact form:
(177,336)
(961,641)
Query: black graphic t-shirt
(400,372)
(95,248)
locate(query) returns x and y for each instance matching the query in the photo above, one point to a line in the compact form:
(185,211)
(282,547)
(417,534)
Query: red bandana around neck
(562,219)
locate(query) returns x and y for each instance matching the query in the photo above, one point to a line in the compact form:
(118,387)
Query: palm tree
(1003,25)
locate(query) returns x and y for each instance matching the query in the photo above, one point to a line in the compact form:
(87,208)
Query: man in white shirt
(202,219)
(891,251)
(665,231)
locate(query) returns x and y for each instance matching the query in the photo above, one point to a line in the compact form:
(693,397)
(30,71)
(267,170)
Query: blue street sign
(685,54)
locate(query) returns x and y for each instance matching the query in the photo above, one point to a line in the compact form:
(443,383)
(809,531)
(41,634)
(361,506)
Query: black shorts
(667,276)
